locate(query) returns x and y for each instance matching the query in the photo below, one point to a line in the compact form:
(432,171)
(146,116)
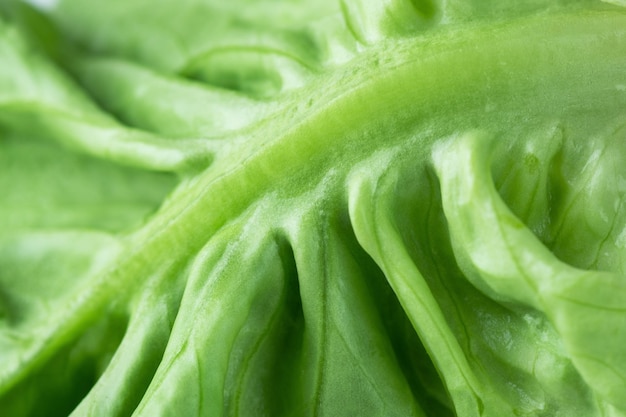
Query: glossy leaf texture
(313,208)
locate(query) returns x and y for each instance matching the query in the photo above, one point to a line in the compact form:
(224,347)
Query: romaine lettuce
(313,208)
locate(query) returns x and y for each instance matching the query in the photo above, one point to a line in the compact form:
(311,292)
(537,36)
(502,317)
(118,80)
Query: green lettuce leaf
(313,208)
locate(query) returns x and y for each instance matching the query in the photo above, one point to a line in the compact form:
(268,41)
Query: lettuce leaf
(313,208)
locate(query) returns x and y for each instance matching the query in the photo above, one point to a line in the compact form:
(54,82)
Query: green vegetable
(313,208)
